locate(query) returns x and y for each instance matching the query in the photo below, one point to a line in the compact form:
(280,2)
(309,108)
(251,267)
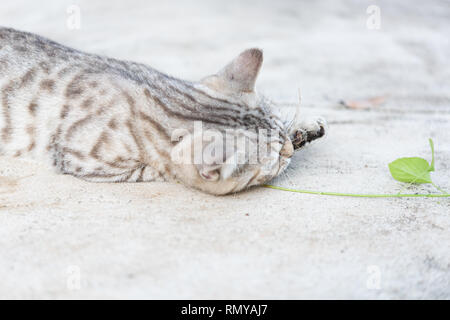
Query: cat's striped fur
(102,119)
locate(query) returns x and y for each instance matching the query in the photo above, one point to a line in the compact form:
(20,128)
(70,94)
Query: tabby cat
(106,120)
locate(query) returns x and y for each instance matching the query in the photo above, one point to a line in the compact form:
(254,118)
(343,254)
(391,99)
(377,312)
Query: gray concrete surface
(64,238)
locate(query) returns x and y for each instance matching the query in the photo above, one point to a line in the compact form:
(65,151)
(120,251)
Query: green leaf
(432,154)
(412,170)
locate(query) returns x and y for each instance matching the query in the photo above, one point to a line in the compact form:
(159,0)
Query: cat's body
(102,119)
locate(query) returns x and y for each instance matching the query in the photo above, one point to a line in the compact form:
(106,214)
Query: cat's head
(251,148)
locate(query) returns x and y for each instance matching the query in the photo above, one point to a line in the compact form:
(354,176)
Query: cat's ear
(212,154)
(213,172)
(239,76)
(218,160)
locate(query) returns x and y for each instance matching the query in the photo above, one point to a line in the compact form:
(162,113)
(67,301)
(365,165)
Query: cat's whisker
(291,122)
(286,175)
(297,110)
(296,116)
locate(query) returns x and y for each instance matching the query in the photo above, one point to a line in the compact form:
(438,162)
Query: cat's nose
(287,150)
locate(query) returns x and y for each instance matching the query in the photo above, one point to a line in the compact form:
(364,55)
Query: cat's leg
(146,174)
(97,169)
(140,173)
(99,173)
(307,131)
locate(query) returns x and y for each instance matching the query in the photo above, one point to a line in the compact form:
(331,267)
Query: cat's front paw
(308,132)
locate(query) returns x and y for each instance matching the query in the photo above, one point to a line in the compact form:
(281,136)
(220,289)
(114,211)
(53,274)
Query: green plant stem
(398,195)
(443,191)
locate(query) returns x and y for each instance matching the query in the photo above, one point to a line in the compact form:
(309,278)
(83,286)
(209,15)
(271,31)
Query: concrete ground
(64,238)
